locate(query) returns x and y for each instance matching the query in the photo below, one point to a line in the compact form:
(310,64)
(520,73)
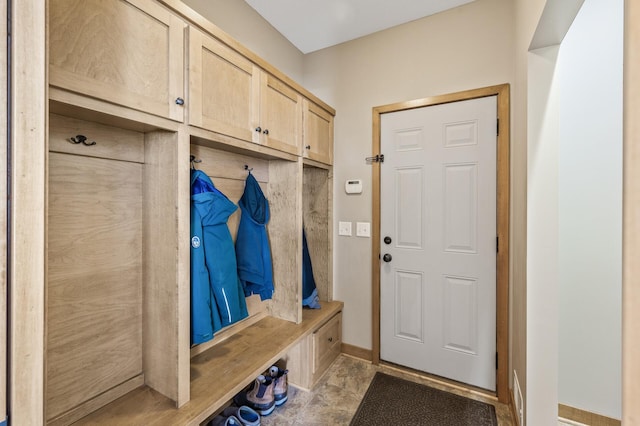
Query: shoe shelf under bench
(217,374)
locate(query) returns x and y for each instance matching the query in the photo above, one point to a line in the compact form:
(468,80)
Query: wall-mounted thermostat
(353,186)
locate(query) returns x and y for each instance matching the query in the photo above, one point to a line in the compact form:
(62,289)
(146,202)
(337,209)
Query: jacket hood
(253,202)
(213,206)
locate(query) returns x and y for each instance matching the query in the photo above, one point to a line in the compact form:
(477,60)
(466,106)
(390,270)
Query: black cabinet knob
(258,129)
(266,131)
(387,257)
(307,147)
(180,101)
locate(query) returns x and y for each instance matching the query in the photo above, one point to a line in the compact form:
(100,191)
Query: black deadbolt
(387,240)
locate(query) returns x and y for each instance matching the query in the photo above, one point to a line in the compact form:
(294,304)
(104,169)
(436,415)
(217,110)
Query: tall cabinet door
(129,52)
(94,277)
(223,89)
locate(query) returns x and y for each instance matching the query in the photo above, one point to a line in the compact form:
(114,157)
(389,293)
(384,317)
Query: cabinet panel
(94,278)
(326,344)
(229,94)
(281,115)
(126,52)
(223,88)
(128,146)
(318,133)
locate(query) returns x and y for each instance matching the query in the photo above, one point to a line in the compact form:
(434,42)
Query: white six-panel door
(438,217)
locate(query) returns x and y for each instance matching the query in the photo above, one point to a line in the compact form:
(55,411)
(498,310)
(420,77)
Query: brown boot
(259,396)
(281,384)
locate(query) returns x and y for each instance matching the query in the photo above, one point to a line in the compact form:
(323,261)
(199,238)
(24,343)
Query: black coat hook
(81,139)
(194,160)
(246,167)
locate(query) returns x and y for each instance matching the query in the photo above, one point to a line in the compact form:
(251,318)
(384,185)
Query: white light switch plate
(363,229)
(344,228)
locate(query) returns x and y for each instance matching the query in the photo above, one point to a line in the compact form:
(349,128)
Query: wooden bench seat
(216,374)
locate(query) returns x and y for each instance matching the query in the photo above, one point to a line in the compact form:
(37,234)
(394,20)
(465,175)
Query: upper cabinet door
(223,89)
(318,133)
(129,52)
(280,115)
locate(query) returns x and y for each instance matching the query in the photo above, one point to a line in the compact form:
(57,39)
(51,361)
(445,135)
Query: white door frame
(502,221)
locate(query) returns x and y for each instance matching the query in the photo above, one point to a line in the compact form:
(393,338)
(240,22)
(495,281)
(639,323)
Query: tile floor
(334,400)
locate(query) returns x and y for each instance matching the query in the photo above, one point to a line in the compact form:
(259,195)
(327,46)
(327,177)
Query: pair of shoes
(259,396)
(266,392)
(236,416)
(280,386)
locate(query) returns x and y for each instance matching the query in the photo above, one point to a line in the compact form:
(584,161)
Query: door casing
(502,220)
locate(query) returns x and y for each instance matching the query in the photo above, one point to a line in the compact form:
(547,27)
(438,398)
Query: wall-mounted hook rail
(81,139)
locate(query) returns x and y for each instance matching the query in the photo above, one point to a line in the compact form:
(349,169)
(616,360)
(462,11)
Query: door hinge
(496,360)
(497,126)
(379,158)
(497,244)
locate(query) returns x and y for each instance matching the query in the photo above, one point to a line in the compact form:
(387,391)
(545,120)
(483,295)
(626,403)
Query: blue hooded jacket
(217,299)
(310,297)
(252,243)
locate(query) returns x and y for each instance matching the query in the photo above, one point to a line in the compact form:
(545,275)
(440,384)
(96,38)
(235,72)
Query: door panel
(408,309)
(438,290)
(461,210)
(409,202)
(461,314)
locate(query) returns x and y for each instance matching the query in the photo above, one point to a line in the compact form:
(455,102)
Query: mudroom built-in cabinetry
(141,92)
(263,109)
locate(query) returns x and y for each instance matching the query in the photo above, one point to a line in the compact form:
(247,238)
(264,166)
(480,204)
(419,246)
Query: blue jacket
(217,299)
(310,297)
(252,243)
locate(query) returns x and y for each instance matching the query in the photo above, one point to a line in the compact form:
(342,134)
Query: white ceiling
(315,24)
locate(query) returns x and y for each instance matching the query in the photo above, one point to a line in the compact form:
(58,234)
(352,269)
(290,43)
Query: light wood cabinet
(326,345)
(230,95)
(128,52)
(310,357)
(318,133)
(223,87)
(280,115)
(116,274)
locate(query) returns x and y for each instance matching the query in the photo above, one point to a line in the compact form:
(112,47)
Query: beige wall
(244,24)
(464,48)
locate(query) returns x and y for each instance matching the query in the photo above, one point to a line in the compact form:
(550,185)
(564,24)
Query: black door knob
(387,240)
(387,257)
